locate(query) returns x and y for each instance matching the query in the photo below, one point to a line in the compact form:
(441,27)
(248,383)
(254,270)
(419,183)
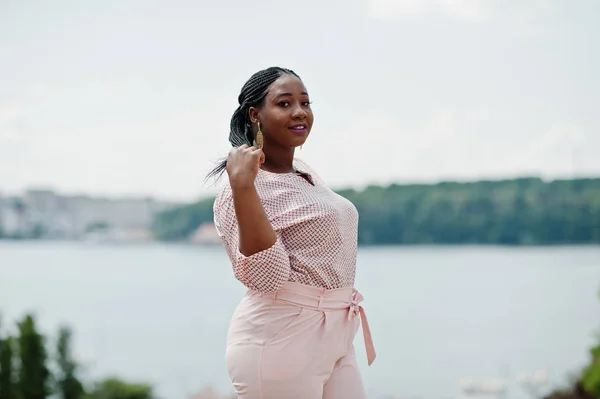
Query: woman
(292,241)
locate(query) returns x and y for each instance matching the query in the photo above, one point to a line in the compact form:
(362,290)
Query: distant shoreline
(183,243)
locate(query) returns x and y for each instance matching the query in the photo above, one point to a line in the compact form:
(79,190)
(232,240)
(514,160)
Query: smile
(301,128)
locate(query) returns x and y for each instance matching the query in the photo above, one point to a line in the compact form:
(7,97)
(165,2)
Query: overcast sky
(135,97)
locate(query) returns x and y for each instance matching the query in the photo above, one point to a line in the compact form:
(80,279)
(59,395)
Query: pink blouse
(316,230)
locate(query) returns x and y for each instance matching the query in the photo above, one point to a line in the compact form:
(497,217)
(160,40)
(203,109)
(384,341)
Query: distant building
(48,212)
(12,220)
(210,393)
(50,215)
(206,234)
(131,214)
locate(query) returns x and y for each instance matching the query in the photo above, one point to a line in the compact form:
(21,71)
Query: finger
(235,150)
(244,146)
(258,153)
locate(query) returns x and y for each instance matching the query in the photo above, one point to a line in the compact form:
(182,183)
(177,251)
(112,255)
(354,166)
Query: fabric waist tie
(329,300)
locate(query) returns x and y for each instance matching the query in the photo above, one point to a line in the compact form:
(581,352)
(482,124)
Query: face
(285,116)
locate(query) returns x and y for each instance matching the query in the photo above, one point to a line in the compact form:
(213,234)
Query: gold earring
(259,138)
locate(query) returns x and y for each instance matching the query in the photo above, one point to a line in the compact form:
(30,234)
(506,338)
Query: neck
(278,159)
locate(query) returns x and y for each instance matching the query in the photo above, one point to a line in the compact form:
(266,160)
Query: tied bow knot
(355,308)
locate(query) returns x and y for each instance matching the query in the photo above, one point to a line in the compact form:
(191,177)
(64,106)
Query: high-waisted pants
(297,343)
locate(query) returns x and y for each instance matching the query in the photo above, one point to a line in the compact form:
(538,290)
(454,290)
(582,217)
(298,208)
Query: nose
(299,113)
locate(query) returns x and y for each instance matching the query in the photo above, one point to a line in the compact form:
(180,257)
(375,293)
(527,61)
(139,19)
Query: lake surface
(159,313)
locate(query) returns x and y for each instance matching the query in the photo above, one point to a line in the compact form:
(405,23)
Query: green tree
(33,373)
(178,223)
(590,379)
(113,388)
(591,376)
(68,385)
(525,211)
(7,381)
(587,385)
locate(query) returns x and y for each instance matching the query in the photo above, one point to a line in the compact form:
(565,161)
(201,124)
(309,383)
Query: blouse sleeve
(265,271)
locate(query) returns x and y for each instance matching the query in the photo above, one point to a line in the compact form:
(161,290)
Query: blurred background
(466,132)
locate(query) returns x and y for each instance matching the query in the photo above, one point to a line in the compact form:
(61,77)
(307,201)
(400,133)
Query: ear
(253,114)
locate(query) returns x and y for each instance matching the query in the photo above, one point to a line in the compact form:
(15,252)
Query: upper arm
(264,271)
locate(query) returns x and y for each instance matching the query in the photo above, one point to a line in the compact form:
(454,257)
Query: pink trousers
(297,343)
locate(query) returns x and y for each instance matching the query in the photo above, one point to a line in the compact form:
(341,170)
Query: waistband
(328,300)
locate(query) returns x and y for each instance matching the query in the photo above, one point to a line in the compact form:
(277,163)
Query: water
(160,313)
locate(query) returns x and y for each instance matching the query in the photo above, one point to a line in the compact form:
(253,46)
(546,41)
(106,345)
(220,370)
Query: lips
(299,128)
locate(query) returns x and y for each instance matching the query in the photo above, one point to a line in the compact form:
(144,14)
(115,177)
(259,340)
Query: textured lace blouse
(316,230)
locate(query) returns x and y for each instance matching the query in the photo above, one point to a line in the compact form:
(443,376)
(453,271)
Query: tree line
(31,369)
(524,211)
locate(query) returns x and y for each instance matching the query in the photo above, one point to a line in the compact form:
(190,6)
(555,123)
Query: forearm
(255,231)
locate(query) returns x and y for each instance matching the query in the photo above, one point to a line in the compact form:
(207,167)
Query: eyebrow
(288,94)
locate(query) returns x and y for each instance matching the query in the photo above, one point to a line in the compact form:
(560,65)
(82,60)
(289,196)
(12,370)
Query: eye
(284,103)
(306,103)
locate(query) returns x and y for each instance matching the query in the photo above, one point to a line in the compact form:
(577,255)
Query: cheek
(278,118)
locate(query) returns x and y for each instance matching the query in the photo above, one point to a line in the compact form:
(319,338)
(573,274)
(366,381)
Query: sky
(134,98)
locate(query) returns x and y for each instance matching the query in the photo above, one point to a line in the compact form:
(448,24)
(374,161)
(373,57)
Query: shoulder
(303,166)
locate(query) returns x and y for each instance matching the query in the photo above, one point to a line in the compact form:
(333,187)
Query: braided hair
(252,94)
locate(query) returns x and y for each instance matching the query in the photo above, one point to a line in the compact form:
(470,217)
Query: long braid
(252,95)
